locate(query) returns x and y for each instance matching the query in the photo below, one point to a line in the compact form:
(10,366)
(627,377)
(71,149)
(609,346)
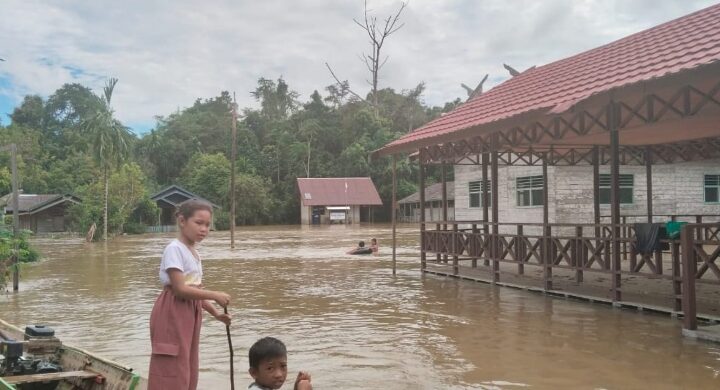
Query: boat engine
(14,363)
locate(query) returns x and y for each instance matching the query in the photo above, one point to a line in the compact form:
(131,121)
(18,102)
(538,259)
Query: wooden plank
(423,255)
(55,376)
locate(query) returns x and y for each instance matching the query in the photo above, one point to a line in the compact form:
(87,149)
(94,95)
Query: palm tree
(109,140)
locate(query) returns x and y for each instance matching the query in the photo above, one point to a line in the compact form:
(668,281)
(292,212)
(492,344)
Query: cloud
(166,54)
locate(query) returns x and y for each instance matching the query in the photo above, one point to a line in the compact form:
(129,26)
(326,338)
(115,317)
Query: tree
(308,130)
(30,113)
(255,201)
(207,175)
(377,37)
(177,137)
(109,140)
(5,180)
(276,99)
(128,192)
(127,189)
(373,61)
(66,111)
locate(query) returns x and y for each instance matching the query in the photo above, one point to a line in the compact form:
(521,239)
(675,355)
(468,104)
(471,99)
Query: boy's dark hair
(265,348)
(361,244)
(188,208)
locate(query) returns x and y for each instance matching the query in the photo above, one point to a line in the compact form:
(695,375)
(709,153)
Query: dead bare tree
(343,83)
(377,34)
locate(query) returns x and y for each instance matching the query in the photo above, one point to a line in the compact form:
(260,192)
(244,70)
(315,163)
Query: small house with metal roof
(336,199)
(167,201)
(41,213)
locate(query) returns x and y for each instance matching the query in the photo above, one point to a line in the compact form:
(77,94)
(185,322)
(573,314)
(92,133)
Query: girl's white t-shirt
(177,255)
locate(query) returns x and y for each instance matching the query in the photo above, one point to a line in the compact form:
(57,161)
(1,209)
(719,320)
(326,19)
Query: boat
(34,359)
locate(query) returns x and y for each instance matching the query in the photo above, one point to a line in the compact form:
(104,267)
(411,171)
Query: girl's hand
(222,299)
(303,381)
(224,318)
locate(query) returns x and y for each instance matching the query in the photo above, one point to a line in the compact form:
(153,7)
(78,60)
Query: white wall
(677,189)
(305,213)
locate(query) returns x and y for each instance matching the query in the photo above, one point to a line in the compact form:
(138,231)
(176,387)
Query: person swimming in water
(361,249)
(374,246)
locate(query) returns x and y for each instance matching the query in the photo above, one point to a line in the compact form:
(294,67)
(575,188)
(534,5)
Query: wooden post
(495,252)
(474,232)
(233,157)
(648,180)
(579,256)
(445,248)
(596,193)
(444,201)
(547,240)
(16,215)
(439,248)
(456,267)
(521,249)
(394,212)
(677,276)
(423,256)
(625,233)
(485,203)
(688,278)
(612,122)
(444,194)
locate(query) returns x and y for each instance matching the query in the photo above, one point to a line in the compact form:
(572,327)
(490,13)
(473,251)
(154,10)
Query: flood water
(352,324)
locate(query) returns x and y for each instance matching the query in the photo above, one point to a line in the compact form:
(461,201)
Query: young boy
(268,366)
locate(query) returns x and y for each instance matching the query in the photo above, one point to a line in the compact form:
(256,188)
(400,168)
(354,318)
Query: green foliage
(25,253)
(127,201)
(5,180)
(221,219)
(145,213)
(208,175)
(253,201)
(81,216)
(68,142)
(135,228)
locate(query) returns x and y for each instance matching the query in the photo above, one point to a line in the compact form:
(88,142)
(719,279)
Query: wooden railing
(701,243)
(161,229)
(580,248)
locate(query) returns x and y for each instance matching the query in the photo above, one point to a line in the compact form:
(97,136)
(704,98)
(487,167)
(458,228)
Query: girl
(177,314)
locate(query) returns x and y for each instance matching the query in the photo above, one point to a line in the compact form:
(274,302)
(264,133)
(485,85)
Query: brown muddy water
(352,324)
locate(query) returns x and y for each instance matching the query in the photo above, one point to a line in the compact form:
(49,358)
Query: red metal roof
(338,191)
(680,44)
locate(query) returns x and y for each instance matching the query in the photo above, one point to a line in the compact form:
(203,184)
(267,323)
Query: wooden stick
(232,365)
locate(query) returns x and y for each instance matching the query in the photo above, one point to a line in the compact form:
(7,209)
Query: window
(476,190)
(627,183)
(712,188)
(529,190)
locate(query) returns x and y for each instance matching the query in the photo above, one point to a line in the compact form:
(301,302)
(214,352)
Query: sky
(167,54)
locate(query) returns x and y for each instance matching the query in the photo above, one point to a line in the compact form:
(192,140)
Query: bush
(26,254)
(222,220)
(135,228)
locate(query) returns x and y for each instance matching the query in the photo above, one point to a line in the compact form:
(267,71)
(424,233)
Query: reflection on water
(352,324)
